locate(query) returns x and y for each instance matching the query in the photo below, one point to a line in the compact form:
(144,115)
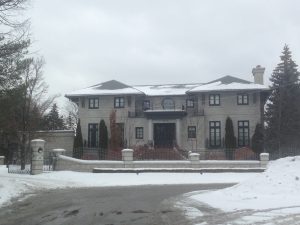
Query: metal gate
(14,161)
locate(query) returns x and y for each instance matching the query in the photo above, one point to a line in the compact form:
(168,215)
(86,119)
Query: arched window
(168,103)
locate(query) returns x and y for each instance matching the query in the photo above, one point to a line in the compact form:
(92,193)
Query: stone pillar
(55,153)
(264,159)
(58,151)
(127,157)
(150,130)
(195,159)
(178,132)
(2,159)
(37,157)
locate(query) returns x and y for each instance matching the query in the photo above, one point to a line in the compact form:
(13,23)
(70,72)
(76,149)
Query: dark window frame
(139,133)
(215,134)
(243,133)
(170,103)
(192,132)
(146,103)
(118,103)
(216,101)
(190,103)
(94,143)
(92,103)
(244,101)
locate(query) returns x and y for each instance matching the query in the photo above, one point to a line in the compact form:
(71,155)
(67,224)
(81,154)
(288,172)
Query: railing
(99,154)
(142,153)
(135,114)
(141,114)
(228,154)
(283,152)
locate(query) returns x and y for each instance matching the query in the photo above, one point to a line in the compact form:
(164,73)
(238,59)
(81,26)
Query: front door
(164,135)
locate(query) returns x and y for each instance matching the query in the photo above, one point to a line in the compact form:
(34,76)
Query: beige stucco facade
(199,116)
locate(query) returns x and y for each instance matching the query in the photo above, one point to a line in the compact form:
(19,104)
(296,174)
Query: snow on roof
(168,89)
(113,87)
(219,86)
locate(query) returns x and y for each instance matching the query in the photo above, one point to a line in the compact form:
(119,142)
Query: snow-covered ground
(14,185)
(272,197)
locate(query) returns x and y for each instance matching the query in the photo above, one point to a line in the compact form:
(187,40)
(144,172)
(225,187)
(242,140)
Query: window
(214,99)
(191,132)
(146,105)
(119,102)
(93,135)
(139,132)
(190,103)
(93,103)
(168,103)
(215,133)
(242,99)
(243,133)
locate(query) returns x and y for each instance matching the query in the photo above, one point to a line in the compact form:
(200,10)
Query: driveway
(134,205)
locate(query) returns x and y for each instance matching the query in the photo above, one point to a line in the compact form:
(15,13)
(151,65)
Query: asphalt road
(135,205)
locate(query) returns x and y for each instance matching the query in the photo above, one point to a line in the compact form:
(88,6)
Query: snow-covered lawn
(269,197)
(14,185)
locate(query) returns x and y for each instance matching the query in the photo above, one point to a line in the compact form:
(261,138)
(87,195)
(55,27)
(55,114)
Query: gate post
(195,160)
(37,157)
(2,159)
(264,159)
(127,157)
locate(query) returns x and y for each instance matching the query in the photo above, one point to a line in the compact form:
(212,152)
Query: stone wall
(68,163)
(63,139)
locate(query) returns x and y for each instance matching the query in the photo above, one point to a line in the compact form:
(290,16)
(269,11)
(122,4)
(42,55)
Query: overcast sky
(153,42)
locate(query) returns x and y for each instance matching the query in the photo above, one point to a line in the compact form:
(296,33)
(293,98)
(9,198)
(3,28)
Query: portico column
(178,133)
(150,130)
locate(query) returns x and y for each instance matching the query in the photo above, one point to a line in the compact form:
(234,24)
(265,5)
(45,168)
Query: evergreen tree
(103,139)
(283,108)
(53,121)
(115,140)
(258,139)
(78,143)
(230,140)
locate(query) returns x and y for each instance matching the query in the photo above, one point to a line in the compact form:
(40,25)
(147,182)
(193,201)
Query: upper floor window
(146,104)
(191,132)
(190,103)
(243,133)
(214,99)
(119,102)
(168,103)
(242,99)
(139,132)
(93,103)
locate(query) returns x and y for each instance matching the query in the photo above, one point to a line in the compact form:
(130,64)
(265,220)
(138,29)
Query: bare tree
(35,102)
(9,12)
(71,111)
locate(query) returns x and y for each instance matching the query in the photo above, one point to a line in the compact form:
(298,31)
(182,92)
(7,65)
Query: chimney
(258,73)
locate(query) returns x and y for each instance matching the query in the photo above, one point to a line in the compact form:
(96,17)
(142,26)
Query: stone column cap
(127,150)
(58,150)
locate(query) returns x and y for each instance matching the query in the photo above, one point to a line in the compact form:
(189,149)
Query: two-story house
(191,116)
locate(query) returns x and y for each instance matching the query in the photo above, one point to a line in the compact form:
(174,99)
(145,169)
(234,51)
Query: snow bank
(277,187)
(13,185)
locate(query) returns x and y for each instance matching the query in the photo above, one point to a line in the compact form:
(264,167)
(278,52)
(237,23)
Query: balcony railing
(161,111)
